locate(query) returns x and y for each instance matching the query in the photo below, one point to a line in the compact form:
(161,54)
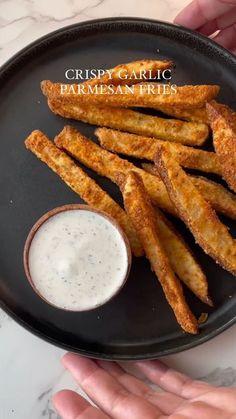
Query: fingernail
(68,358)
(63,358)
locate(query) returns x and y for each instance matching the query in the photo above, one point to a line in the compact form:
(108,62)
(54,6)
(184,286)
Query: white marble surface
(30,369)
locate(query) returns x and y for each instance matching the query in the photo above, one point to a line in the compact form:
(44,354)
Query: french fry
(189,133)
(108,164)
(223,124)
(181,258)
(139,208)
(196,212)
(193,115)
(124,73)
(222,200)
(184,263)
(142,95)
(145,148)
(81,183)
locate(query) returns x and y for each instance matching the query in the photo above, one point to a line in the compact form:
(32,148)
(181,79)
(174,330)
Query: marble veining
(30,369)
(22,21)
(225,377)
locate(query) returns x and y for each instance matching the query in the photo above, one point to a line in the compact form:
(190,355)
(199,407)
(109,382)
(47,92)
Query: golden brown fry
(181,258)
(223,124)
(222,200)
(145,148)
(81,183)
(142,95)
(196,212)
(183,261)
(150,168)
(139,208)
(108,164)
(124,73)
(193,115)
(127,120)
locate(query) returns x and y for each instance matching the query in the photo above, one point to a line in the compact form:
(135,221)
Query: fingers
(198,409)
(131,383)
(209,16)
(220,23)
(171,380)
(72,406)
(107,392)
(227,38)
(209,28)
(199,12)
(166,402)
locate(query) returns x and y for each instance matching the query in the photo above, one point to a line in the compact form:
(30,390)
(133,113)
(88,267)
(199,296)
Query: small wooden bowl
(50,214)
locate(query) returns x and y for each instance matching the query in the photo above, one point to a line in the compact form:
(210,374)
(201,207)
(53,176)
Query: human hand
(120,395)
(209,16)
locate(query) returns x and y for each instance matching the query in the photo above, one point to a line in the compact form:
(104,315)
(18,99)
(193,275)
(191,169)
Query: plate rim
(128,19)
(7,67)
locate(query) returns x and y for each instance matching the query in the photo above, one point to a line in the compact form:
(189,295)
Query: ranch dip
(77,260)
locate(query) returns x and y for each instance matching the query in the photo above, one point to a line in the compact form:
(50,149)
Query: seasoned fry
(145,148)
(196,212)
(181,258)
(142,95)
(139,208)
(127,120)
(124,73)
(193,115)
(81,183)
(223,124)
(222,200)
(108,164)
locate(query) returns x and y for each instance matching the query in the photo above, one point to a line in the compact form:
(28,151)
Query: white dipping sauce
(77,260)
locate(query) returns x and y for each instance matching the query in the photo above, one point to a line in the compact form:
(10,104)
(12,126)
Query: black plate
(138,323)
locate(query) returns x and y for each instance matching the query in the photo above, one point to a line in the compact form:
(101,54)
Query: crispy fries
(188,133)
(108,101)
(196,212)
(193,115)
(181,258)
(222,200)
(108,164)
(124,73)
(139,208)
(145,148)
(81,183)
(142,95)
(223,124)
